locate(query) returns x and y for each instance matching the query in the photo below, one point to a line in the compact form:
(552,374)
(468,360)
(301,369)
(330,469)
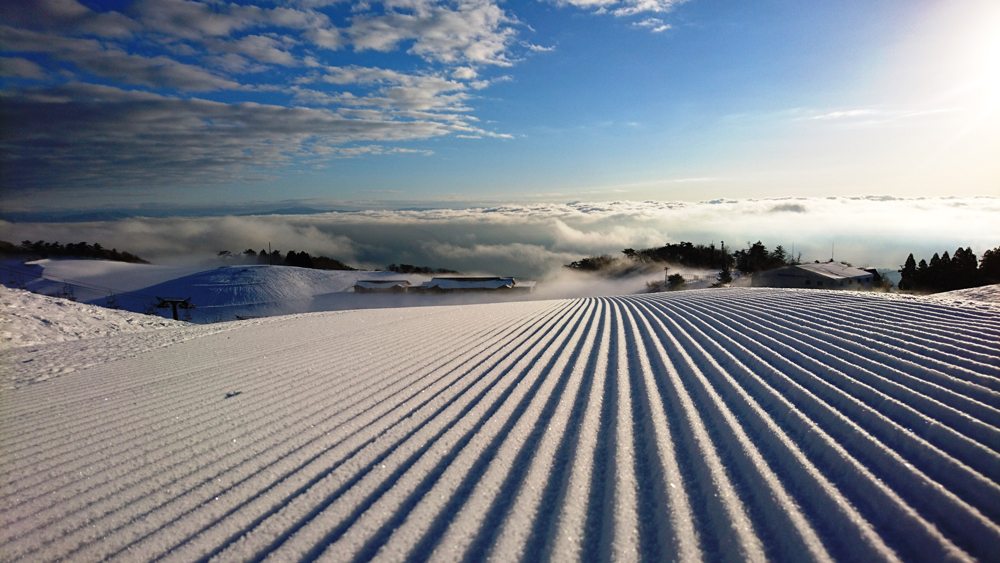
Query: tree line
(755,258)
(305,260)
(950,272)
(411,269)
(292,258)
(44,249)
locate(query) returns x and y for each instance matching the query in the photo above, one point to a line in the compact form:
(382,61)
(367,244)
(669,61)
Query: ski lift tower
(174,304)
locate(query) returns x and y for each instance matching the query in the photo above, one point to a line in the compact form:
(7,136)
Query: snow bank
(29,319)
(738,424)
(985,294)
(90,280)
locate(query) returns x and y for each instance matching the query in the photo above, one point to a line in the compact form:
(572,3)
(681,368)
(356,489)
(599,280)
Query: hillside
(975,295)
(253,291)
(219,294)
(742,424)
(30,319)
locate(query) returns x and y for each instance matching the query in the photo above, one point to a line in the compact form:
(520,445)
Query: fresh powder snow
(723,425)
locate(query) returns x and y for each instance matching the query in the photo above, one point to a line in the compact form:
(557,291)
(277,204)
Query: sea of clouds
(535,241)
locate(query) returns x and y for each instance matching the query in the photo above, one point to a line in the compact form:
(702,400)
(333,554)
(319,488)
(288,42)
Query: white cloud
(537,48)
(655,25)
(845,114)
(67,15)
(633,7)
(234,63)
(623,7)
(102,133)
(464,73)
(118,138)
(198,20)
(22,68)
(474,31)
(260,48)
(89,55)
(326,38)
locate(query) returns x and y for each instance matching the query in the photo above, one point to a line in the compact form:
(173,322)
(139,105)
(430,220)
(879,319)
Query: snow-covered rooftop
(381,284)
(835,270)
(470,283)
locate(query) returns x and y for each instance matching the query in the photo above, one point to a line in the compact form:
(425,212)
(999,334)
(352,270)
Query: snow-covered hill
(28,319)
(742,424)
(224,293)
(218,294)
(90,280)
(985,294)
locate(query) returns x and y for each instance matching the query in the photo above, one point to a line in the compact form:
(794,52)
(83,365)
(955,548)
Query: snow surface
(735,424)
(27,319)
(90,279)
(985,294)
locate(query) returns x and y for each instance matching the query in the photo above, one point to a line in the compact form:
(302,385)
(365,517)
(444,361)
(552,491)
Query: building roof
(381,284)
(470,283)
(835,270)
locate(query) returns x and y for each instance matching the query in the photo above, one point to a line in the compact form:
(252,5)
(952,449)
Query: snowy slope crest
(29,319)
(976,295)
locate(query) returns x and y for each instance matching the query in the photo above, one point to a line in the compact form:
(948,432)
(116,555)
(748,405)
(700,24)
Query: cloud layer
(186,93)
(535,241)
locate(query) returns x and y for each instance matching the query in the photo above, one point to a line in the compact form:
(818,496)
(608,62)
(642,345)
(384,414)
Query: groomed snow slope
(743,424)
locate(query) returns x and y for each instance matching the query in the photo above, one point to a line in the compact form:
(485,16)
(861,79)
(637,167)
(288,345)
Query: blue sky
(420,102)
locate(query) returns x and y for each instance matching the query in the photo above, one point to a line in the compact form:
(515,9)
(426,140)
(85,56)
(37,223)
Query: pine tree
(964,268)
(725,276)
(908,274)
(989,266)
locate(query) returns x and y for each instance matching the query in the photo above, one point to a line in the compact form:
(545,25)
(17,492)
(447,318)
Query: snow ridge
(723,425)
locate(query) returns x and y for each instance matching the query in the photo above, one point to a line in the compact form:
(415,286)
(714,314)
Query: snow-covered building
(828,275)
(467,283)
(381,286)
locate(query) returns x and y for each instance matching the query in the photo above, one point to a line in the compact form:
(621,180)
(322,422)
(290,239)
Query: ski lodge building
(381,286)
(828,275)
(473,284)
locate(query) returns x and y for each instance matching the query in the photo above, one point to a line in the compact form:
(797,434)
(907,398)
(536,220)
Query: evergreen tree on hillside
(989,266)
(78,250)
(298,259)
(933,277)
(944,275)
(725,276)
(923,274)
(947,272)
(778,256)
(756,258)
(964,268)
(908,274)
